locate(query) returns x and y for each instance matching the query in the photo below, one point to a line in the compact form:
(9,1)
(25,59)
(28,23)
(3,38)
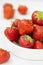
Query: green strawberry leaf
(39,15)
(28,38)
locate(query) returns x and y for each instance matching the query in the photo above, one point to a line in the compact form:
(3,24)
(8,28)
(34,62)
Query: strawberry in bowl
(38,32)
(37,17)
(38,45)
(11,33)
(25,27)
(15,23)
(26,41)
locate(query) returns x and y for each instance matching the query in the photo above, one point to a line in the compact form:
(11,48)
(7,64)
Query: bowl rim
(25,48)
(14,43)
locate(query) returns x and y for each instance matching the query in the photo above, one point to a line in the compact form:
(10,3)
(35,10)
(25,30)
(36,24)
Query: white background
(32,5)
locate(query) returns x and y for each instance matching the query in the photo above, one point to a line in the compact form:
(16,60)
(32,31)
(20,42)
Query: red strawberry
(38,45)
(38,32)
(22,9)
(8,11)
(25,27)
(4,56)
(16,22)
(11,33)
(26,41)
(37,17)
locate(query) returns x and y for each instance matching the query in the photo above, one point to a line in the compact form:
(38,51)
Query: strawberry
(11,33)
(26,41)
(16,22)
(37,17)
(8,11)
(22,9)
(38,32)
(38,45)
(25,27)
(4,56)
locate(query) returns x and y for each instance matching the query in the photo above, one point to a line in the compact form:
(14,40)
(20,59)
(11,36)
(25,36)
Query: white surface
(33,5)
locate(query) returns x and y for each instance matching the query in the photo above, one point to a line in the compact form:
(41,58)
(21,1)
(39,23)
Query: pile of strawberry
(27,33)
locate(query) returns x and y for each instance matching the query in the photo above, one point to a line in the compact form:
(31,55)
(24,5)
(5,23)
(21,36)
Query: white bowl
(30,54)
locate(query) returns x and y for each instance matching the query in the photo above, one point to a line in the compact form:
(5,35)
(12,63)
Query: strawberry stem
(28,38)
(39,15)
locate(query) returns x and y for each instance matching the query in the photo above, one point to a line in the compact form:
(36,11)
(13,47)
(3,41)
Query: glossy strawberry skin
(11,33)
(25,43)
(25,27)
(4,56)
(35,18)
(38,32)
(38,45)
